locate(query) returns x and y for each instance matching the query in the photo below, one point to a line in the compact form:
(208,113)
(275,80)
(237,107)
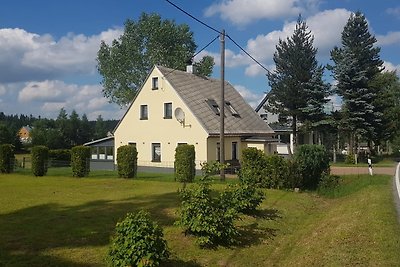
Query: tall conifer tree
(297,87)
(357,62)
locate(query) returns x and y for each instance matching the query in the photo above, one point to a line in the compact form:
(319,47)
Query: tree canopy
(149,41)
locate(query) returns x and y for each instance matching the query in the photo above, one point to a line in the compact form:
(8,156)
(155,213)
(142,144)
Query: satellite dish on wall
(180,115)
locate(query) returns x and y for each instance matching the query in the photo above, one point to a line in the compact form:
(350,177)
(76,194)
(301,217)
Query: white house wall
(168,132)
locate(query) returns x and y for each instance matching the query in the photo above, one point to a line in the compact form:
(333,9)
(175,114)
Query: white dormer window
(232,110)
(154,84)
(214,106)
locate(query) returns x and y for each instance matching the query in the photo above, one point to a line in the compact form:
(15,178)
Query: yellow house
(25,134)
(175,107)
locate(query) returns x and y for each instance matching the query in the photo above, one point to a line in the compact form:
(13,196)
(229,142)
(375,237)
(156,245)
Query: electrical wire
(250,56)
(212,28)
(206,46)
(193,17)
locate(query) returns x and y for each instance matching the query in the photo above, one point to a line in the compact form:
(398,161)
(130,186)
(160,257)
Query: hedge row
(127,161)
(39,158)
(7,158)
(80,161)
(185,164)
(309,165)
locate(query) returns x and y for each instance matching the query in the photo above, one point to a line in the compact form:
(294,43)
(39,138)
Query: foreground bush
(312,162)
(185,165)
(7,158)
(137,241)
(202,214)
(80,161)
(39,158)
(276,172)
(244,198)
(127,161)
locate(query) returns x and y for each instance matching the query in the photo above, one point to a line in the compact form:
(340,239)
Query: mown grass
(58,220)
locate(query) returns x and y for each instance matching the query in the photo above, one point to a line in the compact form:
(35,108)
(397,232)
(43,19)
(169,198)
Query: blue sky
(48,48)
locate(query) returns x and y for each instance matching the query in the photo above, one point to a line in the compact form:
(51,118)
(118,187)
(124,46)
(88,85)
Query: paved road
(362,170)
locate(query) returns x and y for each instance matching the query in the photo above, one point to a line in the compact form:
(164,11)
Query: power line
(206,46)
(193,17)
(212,28)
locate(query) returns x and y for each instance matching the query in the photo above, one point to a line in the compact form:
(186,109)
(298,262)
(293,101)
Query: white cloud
(326,27)
(2,89)
(252,98)
(388,39)
(394,11)
(391,67)
(243,12)
(28,56)
(51,95)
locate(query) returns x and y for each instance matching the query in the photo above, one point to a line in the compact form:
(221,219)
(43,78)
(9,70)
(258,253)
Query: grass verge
(63,221)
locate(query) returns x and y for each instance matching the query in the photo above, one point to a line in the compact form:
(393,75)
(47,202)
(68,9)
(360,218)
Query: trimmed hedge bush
(185,165)
(127,161)
(313,163)
(80,161)
(254,166)
(39,158)
(138,241)
(7,158)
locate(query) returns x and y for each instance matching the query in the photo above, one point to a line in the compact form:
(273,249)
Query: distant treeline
(66,131)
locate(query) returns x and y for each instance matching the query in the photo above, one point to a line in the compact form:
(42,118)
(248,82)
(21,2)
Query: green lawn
(63,221)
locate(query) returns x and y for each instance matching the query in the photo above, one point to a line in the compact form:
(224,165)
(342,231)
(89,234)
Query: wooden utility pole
(222,107)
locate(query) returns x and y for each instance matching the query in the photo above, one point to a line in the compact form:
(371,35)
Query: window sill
(143,119)
(168,118)
(156,161)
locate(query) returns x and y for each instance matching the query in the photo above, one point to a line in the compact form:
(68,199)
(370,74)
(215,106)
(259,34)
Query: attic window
(231,109)
(214,106)
(154,84)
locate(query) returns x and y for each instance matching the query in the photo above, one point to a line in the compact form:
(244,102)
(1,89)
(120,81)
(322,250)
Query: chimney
(190,69)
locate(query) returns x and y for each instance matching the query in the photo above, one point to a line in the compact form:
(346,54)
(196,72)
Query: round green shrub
(39,158)
(7,158)
(137,241)
(313,163)
(185,164)
(127,161)
(80,161)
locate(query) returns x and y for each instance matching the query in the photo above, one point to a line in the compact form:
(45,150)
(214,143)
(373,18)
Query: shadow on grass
(27,233)
(180,263)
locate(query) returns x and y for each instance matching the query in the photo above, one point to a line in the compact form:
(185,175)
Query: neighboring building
(25,134)
(175,107)
(102,153)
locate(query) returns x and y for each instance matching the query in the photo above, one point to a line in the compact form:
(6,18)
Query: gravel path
(362,170)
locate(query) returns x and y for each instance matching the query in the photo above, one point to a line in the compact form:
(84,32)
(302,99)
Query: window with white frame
(144,112)
(167,110)
(156,152)
(154,84)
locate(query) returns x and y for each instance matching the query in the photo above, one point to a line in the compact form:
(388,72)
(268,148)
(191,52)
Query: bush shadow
(28,232)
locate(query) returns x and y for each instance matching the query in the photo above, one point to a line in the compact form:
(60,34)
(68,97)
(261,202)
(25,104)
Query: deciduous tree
(125,63)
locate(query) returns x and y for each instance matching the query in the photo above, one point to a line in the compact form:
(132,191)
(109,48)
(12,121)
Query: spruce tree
(356,64)
(297,87)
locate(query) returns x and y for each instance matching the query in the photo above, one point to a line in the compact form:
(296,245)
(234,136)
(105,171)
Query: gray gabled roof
(195,91)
